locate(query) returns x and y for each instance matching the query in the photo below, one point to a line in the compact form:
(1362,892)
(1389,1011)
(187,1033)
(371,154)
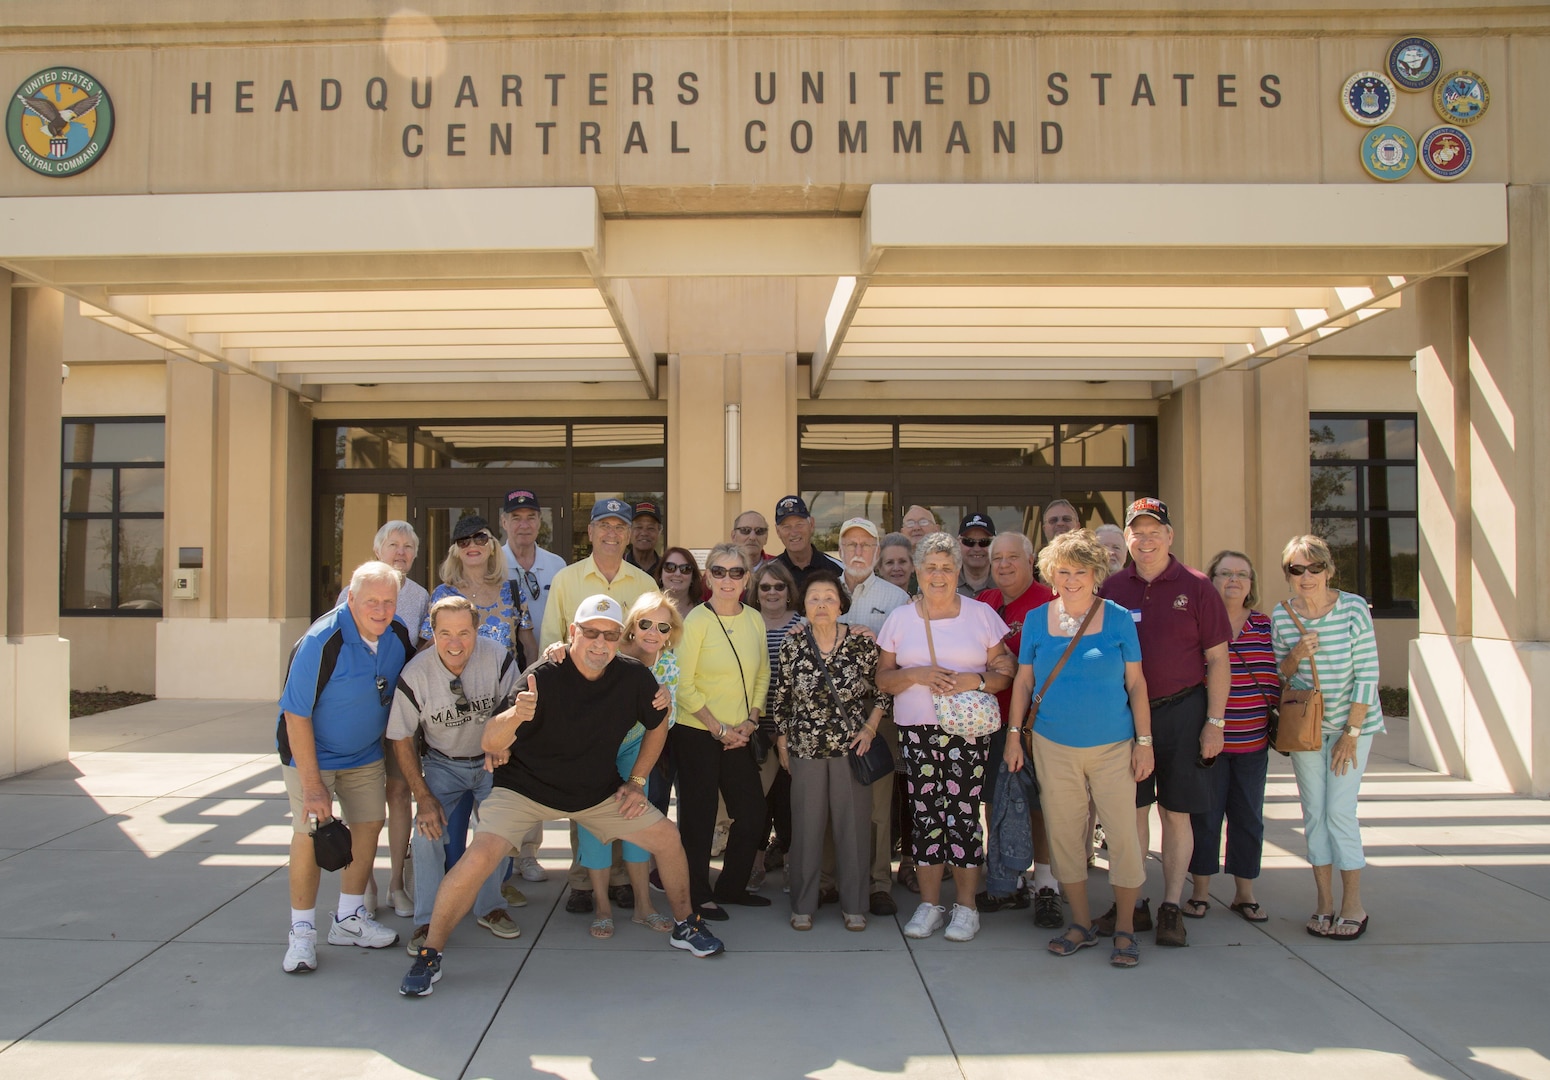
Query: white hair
(938,543)
(1109,527)
(392,529)
(1011,534)
(373,573)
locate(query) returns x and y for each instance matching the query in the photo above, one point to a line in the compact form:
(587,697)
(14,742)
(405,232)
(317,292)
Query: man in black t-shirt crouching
(554,752)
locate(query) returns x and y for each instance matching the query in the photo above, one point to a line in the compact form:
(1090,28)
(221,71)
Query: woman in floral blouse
(816,731)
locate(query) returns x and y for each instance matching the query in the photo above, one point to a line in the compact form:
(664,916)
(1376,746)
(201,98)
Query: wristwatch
(981,686)
(1216,721)
(1143,740)
(1354,731)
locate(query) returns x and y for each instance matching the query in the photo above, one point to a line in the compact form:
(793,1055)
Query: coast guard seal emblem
(1461,97)
(1388,153)
(1367,98)
(1414,63)
(59,122)
(1446,152)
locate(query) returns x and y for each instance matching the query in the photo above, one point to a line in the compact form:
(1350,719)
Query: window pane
(371,447)
(1105,445)
(142,491)
(1010,516)
(1341,536)
(948,512)
(846,445)
(86,568)
(490,446)
(96,441)
(88,491)
(1333,487)
(1338,439)
(1391,487)
(1395,563)
(976,445)
(346,525)
(830,509)
(1094,508)
(1398,440)
(636,446)
(139,565)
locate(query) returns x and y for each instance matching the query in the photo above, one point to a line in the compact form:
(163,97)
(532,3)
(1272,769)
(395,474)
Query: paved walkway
(143,894)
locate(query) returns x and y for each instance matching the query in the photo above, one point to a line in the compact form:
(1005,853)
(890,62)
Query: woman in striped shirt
(1238,778)
(1336,632)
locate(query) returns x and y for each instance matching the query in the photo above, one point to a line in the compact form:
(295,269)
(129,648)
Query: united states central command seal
(1414,63)
(59,122)
(1461,97)
(1446,152)
(1368,98)
(1388,152)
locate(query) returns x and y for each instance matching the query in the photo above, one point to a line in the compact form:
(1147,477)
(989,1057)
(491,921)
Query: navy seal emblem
(1367,98)
(1446,152)
(1461,97)
(1388,153)
(1414,63)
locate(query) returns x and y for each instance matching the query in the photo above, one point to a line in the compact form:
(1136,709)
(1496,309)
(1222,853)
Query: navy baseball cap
(611,508)
(976,521)
(791,506)
(648,509)
(518,499)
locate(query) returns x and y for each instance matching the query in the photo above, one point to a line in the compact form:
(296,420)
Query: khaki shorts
(361,794)
(509,816)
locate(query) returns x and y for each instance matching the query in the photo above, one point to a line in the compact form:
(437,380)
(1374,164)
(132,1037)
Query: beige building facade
(288,277)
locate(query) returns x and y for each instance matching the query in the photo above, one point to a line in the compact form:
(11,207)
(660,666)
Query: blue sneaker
(693,936)
(423,975)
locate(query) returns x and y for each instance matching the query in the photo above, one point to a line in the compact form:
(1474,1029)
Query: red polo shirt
(1178,616)
(1034,596)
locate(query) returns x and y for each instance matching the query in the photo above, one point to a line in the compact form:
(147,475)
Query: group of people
(955,698)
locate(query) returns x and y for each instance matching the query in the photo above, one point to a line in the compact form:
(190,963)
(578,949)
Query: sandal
(801,922)
(1250,911)
(1064,946)
(907,878)
(1127,956)
(1320,925)
(1361,928)
(1195,909)
(602,928)
(655,921)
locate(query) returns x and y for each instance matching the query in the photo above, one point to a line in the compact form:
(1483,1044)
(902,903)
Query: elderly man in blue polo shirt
(333,713)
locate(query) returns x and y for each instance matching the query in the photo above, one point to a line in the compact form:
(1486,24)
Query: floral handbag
(971,714)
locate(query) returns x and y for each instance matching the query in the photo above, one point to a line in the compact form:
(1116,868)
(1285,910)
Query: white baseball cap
(600,606)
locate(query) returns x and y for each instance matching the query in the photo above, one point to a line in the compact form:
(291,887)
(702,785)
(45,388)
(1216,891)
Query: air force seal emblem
(1367,98)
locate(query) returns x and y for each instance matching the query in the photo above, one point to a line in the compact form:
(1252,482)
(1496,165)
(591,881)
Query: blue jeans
(1329,805)
(449,781)
(1238,794)
(591,852)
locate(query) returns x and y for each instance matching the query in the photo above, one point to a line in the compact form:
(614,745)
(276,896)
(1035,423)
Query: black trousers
(705,769)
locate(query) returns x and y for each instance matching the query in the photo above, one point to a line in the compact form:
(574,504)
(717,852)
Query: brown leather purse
(1302,711)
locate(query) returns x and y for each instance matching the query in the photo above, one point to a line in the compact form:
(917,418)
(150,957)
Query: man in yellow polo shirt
(602,572)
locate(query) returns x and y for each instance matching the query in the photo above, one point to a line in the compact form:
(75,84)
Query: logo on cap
(1147,507)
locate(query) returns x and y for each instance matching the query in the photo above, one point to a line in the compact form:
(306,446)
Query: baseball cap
(791,506)
(860,523)
(518,499)
(1147,507)
(976,521)
(611,508)
(599,606)
(648,509)
(470,525)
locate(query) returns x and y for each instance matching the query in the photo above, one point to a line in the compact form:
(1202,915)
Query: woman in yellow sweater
(723,673)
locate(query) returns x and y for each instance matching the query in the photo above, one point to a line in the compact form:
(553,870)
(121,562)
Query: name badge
(1135,614)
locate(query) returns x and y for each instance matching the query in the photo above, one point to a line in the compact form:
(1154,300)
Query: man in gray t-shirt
(449,693)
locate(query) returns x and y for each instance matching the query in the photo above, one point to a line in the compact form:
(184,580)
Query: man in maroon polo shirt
(1184,630)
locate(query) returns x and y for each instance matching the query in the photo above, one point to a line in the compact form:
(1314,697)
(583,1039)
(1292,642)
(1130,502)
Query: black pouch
(331,845)
(872,766)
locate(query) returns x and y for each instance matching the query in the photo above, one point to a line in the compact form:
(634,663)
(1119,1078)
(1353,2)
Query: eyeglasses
(979,542)
(662,627)
(456,686)
(1066,519)
(918,523)
(1235,575)
(384,693)
(1311,568)
(772,586)
(676,567)
(478,538)
(592,634)
(736,573)
(751,530)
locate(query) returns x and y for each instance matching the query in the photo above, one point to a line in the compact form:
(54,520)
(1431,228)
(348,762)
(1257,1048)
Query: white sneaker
(926,921)
(361,929)
(301,956)
(528,867)
(964,925)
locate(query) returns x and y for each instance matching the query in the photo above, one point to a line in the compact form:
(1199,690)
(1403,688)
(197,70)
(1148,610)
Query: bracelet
(721,737)
(1143,740)
(1013,730)
(641,780)
(869,727)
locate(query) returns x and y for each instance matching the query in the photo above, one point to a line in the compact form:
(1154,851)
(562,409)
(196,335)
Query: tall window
(1364,505)
(111,536)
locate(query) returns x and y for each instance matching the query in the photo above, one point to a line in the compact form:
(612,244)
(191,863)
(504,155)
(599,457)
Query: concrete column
(1280,509)
(696,452)
(768,395)
(35,713)
(1225,408)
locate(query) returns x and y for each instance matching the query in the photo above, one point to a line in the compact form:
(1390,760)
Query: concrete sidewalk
(143,893)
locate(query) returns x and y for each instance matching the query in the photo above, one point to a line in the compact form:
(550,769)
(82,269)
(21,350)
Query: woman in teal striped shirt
(1337,632)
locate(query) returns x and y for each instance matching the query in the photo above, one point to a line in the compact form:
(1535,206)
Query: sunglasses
(530,579)
(751,530)
(736,573)
(480,538)
(1311,568)
(772,586)
(456,686)
(384,692)
(592,634)
(676,567)
(979,542)
(662,627)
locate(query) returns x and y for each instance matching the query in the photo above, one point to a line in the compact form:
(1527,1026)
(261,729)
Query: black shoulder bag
(1272,714)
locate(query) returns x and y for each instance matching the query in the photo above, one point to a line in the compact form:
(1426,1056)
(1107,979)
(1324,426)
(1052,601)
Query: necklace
(1069,624)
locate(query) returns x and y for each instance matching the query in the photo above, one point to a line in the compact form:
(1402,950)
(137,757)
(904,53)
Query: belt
(449,757)
(1162,702)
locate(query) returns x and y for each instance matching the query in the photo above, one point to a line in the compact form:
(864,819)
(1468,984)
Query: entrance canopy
(1146,286)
